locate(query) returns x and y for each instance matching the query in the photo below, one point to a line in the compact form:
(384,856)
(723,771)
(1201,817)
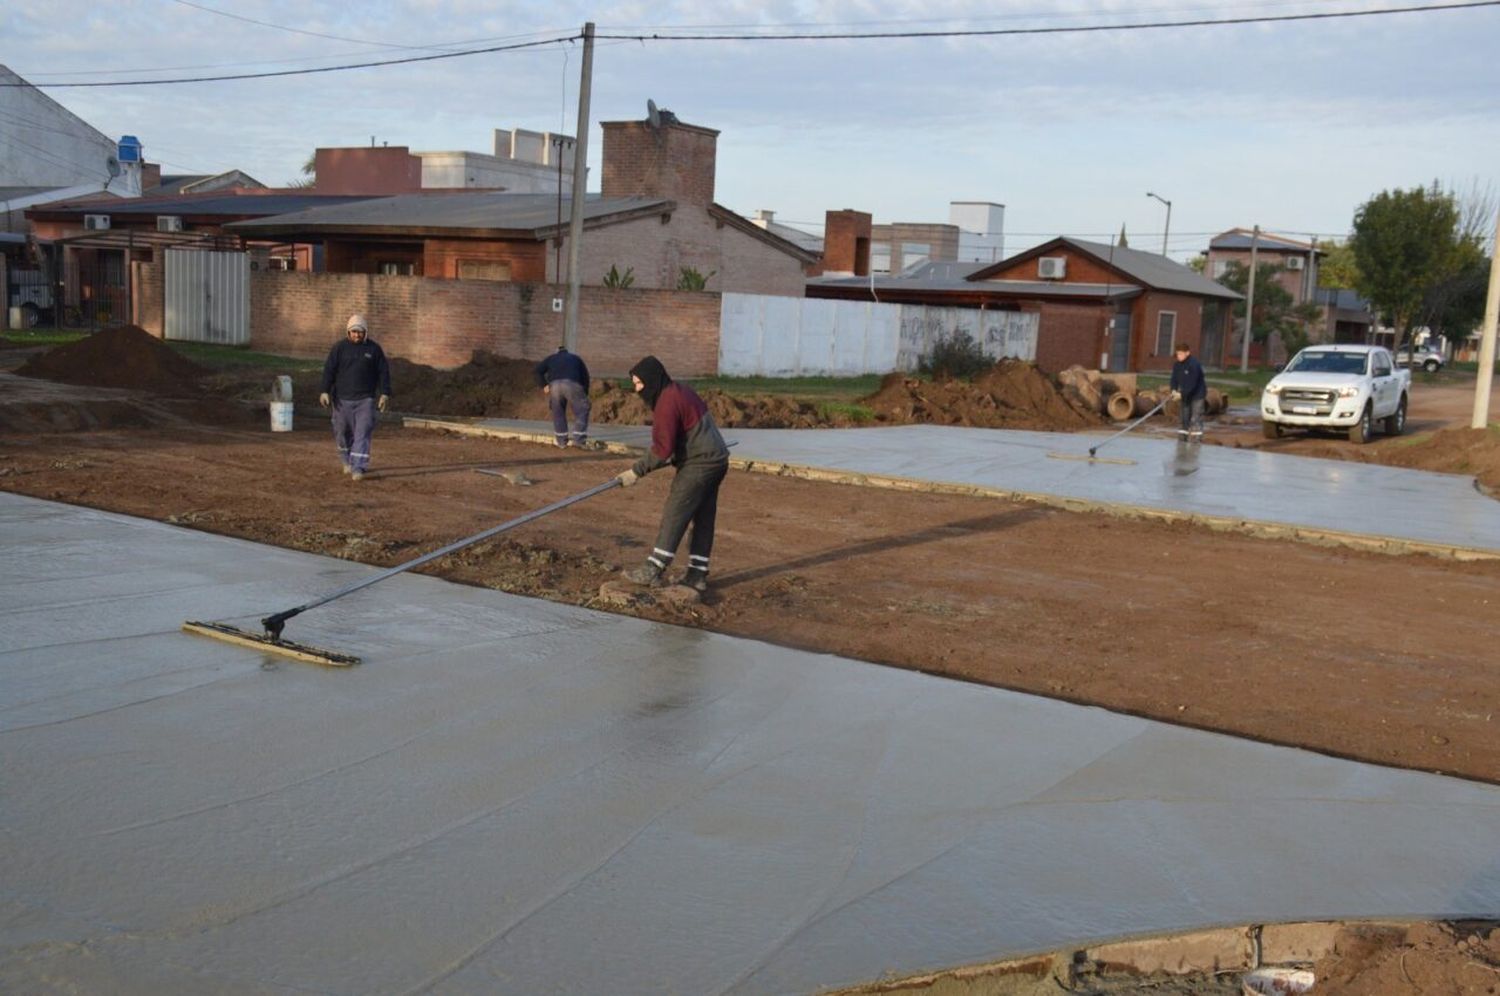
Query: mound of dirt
(128,357)
(1455,451)
(618,403)
(1012,394)
(488,386)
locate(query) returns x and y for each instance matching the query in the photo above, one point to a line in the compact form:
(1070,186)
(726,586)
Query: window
(880,257)
(1221,267)
(1166,330)
(397,269)
(283,263)
(480,269)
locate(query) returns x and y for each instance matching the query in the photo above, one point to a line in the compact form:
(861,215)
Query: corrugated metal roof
(234,205)
(1026,288)
(472,211)
(1238,239)
(1154,270)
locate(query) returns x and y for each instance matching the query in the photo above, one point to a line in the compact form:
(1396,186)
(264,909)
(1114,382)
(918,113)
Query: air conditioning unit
(1052,267)
(96,222)
(1294,262)
(169,223)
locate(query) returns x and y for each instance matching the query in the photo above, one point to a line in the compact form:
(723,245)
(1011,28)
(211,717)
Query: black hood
(654,376)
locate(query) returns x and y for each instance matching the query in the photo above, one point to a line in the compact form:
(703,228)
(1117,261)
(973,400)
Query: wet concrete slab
(1219,484)
(516,796)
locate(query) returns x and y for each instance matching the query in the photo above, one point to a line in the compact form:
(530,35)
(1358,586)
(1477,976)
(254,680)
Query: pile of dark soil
(614,402)
(1012,394)
(128,357)
(487,386)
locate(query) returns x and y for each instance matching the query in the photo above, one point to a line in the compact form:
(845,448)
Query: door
(1119,339)
(207,296)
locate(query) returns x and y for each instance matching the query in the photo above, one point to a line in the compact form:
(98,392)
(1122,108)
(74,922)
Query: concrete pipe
(1144,402)
(1120,406)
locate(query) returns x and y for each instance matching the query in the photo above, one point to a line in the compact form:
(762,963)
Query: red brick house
(1098,305)
(654,217)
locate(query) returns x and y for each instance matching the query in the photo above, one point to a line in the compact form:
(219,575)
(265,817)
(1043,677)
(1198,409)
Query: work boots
(696,579)
(647,574)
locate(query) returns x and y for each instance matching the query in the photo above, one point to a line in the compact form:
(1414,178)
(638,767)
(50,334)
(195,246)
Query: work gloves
(628,478)
(1176,395)
(323,399)
(382,401)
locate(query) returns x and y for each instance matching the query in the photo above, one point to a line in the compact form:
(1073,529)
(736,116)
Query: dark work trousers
(353,425)
(1191,413)
(562,395)
(694,499)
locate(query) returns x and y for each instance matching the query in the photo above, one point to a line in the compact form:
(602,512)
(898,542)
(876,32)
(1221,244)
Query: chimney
(672,160)
(846,244)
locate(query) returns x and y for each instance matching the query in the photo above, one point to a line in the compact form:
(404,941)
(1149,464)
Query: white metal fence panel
(207,296)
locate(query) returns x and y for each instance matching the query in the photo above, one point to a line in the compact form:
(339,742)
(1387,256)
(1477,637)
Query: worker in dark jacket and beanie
(683,434)
(1190,390)
(564,379)
(357,383)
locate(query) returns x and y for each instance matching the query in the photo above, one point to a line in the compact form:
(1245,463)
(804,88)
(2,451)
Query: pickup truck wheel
(30,316)
(1395,423)
(1271,430)
(1361,431)
(1431,366)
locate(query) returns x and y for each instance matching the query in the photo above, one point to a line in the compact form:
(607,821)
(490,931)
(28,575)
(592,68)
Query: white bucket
(281,416)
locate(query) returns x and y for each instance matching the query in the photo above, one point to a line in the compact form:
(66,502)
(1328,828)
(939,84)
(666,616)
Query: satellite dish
(653,117)
(112,165)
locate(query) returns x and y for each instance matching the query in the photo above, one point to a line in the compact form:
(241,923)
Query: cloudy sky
(1290,125)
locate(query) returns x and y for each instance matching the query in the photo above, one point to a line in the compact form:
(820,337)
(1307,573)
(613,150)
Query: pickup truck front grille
(1307,401)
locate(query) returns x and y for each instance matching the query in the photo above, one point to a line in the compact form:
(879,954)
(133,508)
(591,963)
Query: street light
(1166,231)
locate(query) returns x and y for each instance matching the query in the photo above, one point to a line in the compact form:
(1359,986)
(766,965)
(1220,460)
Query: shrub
(956,356)
(689,279)
(614,278)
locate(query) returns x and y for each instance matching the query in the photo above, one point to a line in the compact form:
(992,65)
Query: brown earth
(127,356)
(1170,622)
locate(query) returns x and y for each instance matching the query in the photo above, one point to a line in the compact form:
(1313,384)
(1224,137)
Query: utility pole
(580,179)
(1249,304)
(1487,338)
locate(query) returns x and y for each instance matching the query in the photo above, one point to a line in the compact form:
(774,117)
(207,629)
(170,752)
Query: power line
(317,69)
(1056,30)
(296,31)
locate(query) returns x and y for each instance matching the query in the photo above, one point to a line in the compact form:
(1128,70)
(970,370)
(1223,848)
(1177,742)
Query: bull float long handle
(1132,425)
(275,623)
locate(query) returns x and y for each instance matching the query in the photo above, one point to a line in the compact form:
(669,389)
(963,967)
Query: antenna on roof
(653,116)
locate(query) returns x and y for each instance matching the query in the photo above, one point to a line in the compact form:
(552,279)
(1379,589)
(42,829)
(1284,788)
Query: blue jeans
(1191,413)
(353,425)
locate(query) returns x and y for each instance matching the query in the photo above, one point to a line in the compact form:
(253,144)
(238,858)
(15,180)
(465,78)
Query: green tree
(1275,310)
(1405,244)
(1336,268)
(309,177)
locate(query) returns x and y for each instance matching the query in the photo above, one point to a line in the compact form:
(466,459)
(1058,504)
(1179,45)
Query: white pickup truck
(1337,387)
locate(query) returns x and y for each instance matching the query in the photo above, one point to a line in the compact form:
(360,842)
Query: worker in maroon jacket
(683,434)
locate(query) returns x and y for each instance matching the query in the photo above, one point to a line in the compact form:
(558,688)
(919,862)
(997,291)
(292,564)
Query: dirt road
(1384,659)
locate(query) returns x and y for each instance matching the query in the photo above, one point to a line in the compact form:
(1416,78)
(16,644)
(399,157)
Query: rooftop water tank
(130,149)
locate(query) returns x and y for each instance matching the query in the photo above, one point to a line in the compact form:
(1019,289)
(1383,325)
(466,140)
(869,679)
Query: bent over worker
(357,383)
(684,435)
(1190,390)
(564,379)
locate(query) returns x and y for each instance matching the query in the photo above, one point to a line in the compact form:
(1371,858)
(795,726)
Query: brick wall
(657,251)
(361,170)
(441,322)
(1189,329)
(846,244)
(148,294)
(527,260)
(1080,269)
(676,161)
(1069,334)
(366,257)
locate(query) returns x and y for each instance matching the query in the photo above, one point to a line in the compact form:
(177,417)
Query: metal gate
(1120,334)
(207,296)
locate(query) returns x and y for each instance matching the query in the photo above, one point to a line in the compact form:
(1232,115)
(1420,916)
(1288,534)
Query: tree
(1405,245)
(1337,268)
(1275,311)
(309,178)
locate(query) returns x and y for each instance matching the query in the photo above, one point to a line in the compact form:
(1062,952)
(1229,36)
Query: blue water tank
(130,149)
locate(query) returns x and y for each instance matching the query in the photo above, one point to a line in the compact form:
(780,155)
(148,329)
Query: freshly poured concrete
(517,796)
(1253,486)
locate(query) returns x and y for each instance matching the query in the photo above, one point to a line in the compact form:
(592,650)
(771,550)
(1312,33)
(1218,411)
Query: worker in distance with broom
(1190,391)
(684,435)
(357,383)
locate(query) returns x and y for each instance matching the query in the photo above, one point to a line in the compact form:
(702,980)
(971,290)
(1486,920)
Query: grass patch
(217,357)
(830,389)
(43,336)
(853,412)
